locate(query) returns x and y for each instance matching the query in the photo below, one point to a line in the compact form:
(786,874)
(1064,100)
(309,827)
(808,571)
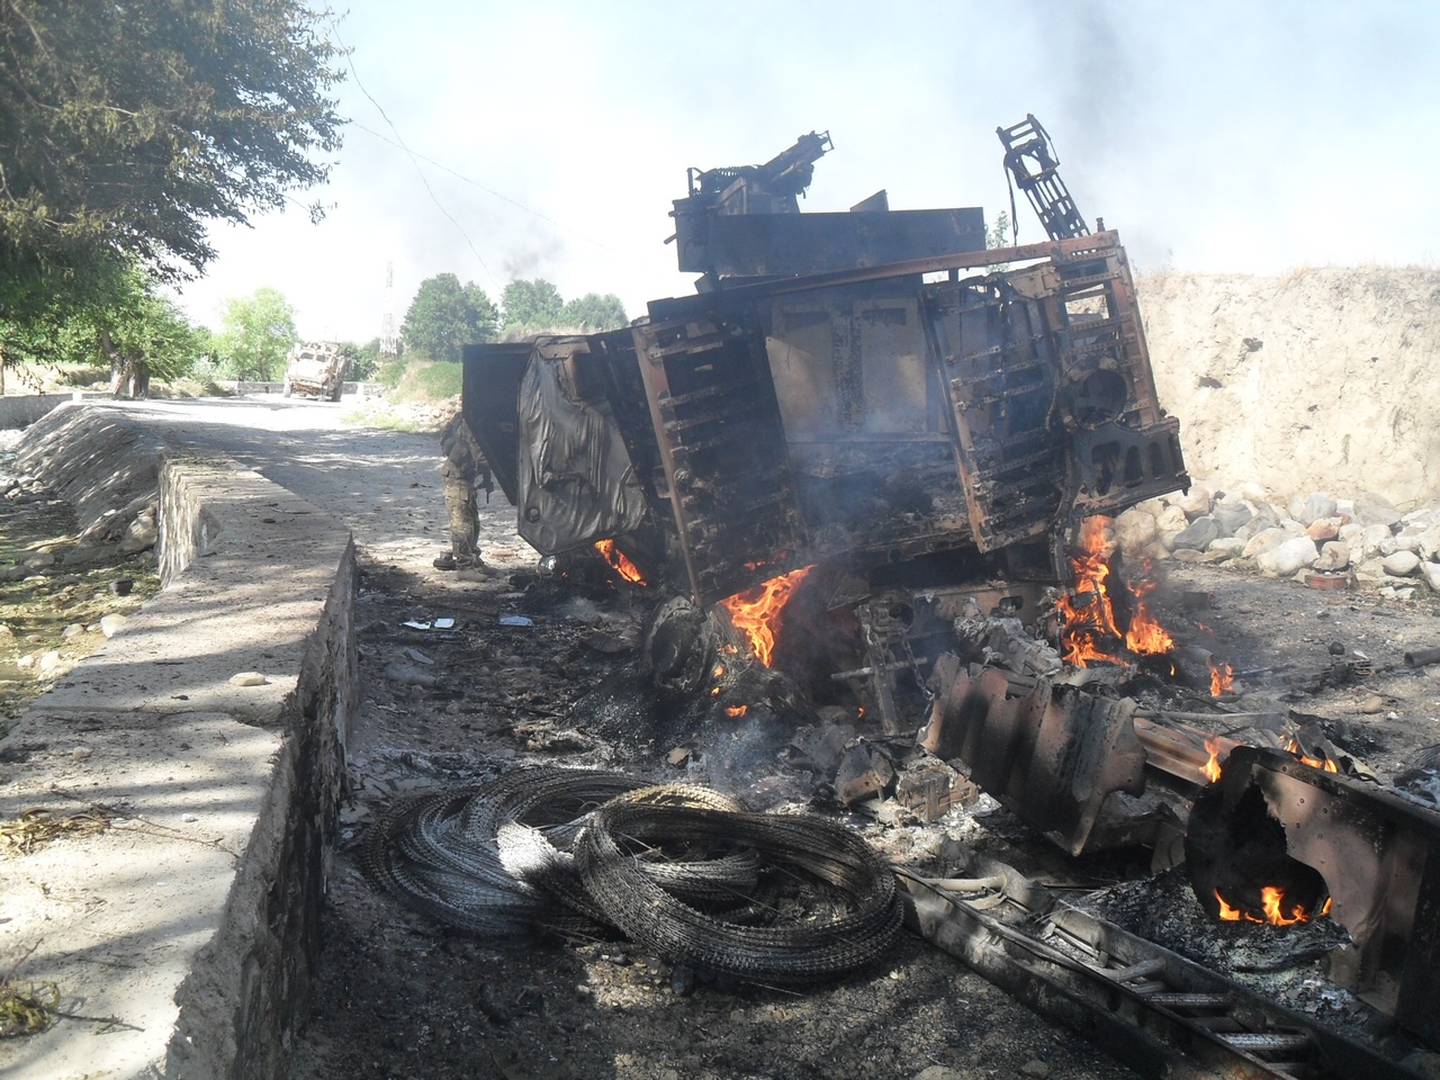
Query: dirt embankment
(1317,380)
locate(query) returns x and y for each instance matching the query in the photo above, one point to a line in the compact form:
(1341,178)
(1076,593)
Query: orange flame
(1097,617)
(737,710)
(1227,913)
(1222,678)
(616,558)
(1293,746)
(1212,767)
(1145,636)
(756,612)
(1272,903)
(1089,612)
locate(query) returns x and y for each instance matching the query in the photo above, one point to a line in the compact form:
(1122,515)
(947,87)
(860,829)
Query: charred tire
(651,916)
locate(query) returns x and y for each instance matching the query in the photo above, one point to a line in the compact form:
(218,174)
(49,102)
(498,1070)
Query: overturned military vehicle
(872,390)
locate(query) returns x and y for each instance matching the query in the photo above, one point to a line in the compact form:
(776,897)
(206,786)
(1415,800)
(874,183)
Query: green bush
(390,372)
(439,380)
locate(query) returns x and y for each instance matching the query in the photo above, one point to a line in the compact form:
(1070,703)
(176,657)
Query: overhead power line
(483,187)
(400,141)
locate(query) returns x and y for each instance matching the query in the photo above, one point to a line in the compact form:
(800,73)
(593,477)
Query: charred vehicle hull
(950,416)
(870,417)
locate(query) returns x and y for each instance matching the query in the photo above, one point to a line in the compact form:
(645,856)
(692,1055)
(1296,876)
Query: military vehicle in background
(316,369)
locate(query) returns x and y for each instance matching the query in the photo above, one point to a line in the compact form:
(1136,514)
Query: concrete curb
(195,920)
(22,410)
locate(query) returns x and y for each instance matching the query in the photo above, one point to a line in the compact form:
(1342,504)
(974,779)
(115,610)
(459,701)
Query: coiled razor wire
(680,869)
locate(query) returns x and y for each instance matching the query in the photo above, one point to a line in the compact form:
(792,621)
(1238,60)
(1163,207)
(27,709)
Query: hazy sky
(1214,136)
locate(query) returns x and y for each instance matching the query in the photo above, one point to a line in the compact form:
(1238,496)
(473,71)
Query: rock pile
(1365,537)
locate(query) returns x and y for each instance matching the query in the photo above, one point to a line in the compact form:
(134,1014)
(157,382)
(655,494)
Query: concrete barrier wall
(193,919)
(22,410)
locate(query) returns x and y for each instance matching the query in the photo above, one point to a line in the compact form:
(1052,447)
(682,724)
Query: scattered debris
(35,828)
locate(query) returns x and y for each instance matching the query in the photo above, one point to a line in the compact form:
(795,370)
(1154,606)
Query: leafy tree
(126,126)
(123,321)
(535,304)
(446,315)
(257,336)
(363,360)
(140,333)
(998,235)
(593,313)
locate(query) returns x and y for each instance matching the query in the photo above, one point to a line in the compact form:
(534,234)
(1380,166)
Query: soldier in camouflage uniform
(464,469)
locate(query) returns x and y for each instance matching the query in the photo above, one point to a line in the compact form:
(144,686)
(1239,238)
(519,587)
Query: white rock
(1171,519)
(71,631)
(1333,556)
(1371,571)
(1251,492)
(1150,506)
(1345,508)
(5,631)
(1431,573)
(1402,564)
(1428,543)
(1134,529)
(1353,537)
(1230,546)
(110,625)
(141,535)
(248,678)
(1375,535)
(26,661)
(1317,506)
(1373,510)
(1263,541)
(1286,558)
(1197,501)
(48,662)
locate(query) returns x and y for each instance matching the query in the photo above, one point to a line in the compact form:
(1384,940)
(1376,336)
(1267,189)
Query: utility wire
(476,183)
(335,30)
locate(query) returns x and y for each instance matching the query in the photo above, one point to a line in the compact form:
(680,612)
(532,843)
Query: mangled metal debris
(1365,856)
(1151,1008)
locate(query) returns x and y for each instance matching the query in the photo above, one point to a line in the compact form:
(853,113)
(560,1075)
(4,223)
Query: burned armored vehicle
(873,390)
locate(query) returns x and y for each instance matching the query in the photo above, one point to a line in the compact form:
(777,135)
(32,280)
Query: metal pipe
(1421,657)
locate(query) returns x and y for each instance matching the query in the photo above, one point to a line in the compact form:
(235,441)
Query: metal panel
(491,389)
(721,440)
(765,245)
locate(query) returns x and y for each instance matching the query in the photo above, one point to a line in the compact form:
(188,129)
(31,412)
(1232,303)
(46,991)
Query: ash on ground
(1287,964)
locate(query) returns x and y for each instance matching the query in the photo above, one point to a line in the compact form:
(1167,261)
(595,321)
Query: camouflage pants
(464,517)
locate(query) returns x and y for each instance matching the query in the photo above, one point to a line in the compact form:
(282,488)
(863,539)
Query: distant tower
(389,343)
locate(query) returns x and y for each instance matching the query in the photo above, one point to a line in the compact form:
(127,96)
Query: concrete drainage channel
(207,740)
